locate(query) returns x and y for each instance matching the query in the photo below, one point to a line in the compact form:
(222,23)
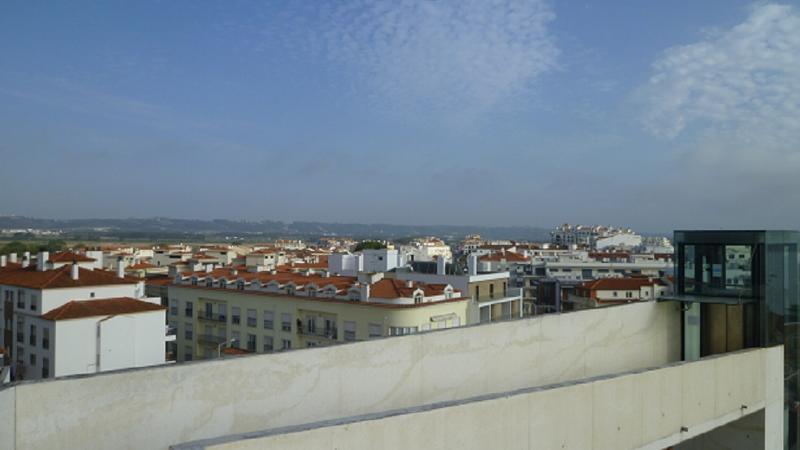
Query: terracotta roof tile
(59,278)
(68,257)
(100,307)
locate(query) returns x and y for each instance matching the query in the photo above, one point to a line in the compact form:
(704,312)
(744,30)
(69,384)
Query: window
(349,330)
(20,299)
(46,338)
(375,330)
(251,342)
(236,315)
(418,298)
(173,307)
(286,344)
(615,294)
(189,332)
(34,302)
(400,331)
(45,367)
(491,291)
(628,294)
(269,318)
(188,354)
(189,310)
(32,359)
(20,355)
(32,336)
(267,344)
(252,318)
(236,337)
(20,330)
(286,322)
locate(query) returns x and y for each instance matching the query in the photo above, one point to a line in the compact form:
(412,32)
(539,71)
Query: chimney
(234,272)
(41,261)
(74,271)
(409,284)
(12,258)
(209,268)
(3,260)
(26,259)
(472,264)
(441,265)
(120,268)
(365,292)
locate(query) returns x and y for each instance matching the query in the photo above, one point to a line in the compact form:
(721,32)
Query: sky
(654,115)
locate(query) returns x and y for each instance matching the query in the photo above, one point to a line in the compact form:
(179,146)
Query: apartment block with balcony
(269,311)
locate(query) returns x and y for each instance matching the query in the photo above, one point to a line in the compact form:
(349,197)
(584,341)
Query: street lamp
(223,344)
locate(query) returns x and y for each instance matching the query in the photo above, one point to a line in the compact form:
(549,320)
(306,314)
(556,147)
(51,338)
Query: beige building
(272,311)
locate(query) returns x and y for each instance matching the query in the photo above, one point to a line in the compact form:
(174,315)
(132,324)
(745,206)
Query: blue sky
(652,114)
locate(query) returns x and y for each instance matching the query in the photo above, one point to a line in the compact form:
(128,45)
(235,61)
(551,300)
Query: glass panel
(688,269)
(691,332)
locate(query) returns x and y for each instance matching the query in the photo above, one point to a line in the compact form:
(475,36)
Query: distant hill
(192,228)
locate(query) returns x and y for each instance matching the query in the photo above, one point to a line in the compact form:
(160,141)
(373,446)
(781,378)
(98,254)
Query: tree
(369,245)
(14,247)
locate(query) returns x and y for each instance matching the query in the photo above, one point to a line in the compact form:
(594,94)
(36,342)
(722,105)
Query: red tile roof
(620,284)
(391,288)
(68,257)
(100,307)
(141,265)
(29,277)
(508,256)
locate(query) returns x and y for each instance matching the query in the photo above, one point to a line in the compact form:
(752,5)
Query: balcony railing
(211,339)
(222,318)
(330,333)
(170,330)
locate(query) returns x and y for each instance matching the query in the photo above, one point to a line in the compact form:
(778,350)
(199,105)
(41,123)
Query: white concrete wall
(161,406)
(133,340)
(75,347)
(635,410)
(53,298)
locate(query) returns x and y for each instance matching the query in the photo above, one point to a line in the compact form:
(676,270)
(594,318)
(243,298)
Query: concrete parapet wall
(161,406)
(649,409)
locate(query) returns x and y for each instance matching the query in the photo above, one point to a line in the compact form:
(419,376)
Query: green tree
(369,245)
(14,247)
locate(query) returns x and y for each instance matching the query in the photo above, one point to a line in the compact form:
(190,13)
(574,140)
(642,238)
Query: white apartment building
(594,236)
(69,320)
(426,249)
(612,291)
(368,260)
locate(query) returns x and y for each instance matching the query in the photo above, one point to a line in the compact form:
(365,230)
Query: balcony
(210,339)
(211,317)
(170,333)
(321,332)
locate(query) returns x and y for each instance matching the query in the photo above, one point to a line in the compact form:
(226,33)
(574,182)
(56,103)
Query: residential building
(594,236)
(270,311)
(612,291)
(368,260)
(426,249)
(67,319)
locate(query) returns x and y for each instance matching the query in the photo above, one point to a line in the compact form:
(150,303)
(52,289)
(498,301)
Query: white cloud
(729,107)
(735,94)
(451,55)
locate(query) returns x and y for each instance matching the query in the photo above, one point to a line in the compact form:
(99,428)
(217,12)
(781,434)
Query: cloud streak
(734,94)
(447,55)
